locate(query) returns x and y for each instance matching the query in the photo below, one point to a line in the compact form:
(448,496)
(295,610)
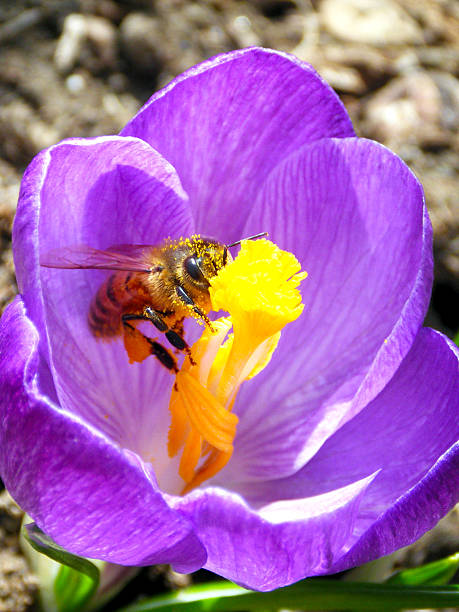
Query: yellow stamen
(260,291)
(216,425)
(190,456)
(179,423)
(213,464)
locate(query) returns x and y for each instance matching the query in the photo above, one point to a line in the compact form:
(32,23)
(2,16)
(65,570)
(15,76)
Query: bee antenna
(248,238)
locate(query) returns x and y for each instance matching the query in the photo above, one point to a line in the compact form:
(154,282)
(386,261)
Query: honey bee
(160,284)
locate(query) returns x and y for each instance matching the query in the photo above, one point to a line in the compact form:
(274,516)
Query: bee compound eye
(193,268)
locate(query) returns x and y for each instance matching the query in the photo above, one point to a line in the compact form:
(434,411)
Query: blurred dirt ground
(83,68)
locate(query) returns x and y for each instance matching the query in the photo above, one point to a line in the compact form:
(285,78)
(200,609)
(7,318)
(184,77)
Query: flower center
(259,289)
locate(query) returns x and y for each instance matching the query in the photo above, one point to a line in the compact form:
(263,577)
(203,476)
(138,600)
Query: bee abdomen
(104,317)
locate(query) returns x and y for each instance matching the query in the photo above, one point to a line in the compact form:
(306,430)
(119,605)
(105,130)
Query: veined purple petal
(280,543)
(226,123)
(407,434)
(354,215)
(79,487)
(111,190)
(411,516)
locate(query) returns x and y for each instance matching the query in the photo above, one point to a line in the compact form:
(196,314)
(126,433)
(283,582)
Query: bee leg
(177,329)
(154,317)
(150,315)
(183,295)
(154,348)
(161,353)
(174,335)
(176,339)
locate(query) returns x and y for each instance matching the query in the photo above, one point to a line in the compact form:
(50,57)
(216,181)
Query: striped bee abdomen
(118,293)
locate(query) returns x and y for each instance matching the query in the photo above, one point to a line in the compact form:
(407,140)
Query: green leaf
(438,572)
(77,579)
(456,338)
(311,594)
(72,589)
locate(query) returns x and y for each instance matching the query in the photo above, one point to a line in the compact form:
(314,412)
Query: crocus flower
(342,446)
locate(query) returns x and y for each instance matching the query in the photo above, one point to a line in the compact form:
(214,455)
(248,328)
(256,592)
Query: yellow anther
(259,289)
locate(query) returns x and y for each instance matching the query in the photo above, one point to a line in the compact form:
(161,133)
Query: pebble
(410,109)
(377,22)
(342,78)
(141,39)
(89,35)
(75,83)
(240,28)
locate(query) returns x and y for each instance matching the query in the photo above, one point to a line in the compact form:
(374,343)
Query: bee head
(196,260)
(207,258)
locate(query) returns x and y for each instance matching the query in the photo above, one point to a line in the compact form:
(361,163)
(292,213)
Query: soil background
(84,67)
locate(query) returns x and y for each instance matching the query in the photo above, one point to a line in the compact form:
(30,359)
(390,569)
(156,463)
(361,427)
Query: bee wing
(129,257)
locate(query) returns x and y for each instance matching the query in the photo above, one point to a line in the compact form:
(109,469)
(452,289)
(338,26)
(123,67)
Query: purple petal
(82,490)
(225,124)
(416,512)
(408,434)
(365,239)
(279,544)
(111,190)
